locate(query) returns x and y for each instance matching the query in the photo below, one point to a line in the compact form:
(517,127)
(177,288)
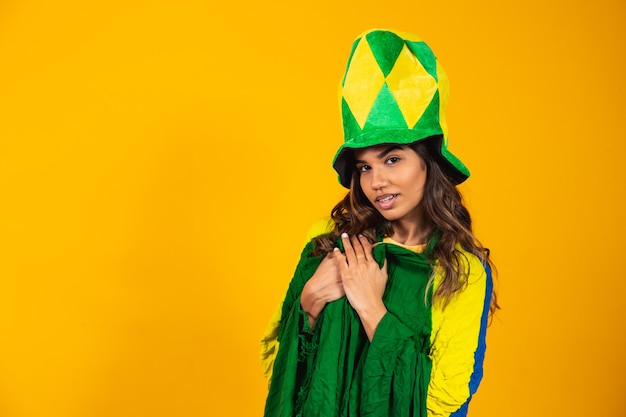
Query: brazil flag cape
(334,370)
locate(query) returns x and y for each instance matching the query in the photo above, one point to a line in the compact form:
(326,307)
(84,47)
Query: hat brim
(451,165)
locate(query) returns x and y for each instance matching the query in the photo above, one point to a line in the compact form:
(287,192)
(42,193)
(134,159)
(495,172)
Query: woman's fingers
(356,247)
(366,246)
(340,260)
(359,252)
(348,249)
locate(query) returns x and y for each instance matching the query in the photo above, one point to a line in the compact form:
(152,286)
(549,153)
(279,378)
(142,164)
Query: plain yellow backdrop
(160,164)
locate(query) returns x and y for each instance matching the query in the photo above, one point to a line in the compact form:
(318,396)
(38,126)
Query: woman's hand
(323,287)
(363,281)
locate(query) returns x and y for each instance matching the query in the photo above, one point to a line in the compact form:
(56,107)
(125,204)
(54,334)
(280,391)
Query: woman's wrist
(311,304)
(370,318)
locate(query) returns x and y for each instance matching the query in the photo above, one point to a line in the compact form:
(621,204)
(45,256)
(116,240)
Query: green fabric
(335,370)
(349,122)
(386,47)
(425,55)
(385,112)
(430,116)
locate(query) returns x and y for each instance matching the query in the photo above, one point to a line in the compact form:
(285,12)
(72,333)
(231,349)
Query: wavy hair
(444,211)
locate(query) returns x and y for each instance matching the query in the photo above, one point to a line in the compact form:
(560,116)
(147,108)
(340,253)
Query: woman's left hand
(363,280)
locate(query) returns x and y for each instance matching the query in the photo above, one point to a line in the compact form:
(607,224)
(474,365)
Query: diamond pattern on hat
(412,86)
(386,46)
(394,91)
(351,127)
(386,113)
(430,117)
(362,83)
(425,56)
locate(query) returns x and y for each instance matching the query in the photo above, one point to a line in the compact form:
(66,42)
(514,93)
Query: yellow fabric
(413,248)
(320,227)
(363,82)
(454,339)
(412,93)
(269,343)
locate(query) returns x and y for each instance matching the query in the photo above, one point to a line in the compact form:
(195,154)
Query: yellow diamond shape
(364,80)
(412,86)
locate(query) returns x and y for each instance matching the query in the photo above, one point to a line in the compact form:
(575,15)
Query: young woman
(387,311)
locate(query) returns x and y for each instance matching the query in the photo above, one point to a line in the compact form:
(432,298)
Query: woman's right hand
(323,287)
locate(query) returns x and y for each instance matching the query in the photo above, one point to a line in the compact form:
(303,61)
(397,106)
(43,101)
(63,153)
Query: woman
(386,313)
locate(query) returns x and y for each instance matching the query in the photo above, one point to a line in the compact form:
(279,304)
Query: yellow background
(161,162)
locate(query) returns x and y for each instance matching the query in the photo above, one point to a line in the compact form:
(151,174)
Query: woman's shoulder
(471,265)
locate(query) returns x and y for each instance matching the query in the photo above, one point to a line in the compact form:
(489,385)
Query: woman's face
(393,179)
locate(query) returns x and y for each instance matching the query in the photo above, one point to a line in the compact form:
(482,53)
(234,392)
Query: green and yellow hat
(394,91)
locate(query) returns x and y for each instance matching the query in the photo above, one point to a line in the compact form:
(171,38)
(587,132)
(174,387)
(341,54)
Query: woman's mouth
(386,201)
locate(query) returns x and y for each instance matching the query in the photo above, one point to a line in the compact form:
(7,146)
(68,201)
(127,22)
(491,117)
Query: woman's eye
(363,168)
(393,160)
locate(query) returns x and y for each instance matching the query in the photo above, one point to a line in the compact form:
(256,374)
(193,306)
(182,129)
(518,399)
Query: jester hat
(394,91)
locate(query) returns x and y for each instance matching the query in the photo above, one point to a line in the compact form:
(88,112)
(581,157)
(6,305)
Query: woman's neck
(411,234)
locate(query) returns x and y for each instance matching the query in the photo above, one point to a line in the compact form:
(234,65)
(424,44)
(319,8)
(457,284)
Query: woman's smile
(386,201)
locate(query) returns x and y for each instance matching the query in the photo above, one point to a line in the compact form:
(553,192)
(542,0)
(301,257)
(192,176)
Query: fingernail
(336,250)
(344,235)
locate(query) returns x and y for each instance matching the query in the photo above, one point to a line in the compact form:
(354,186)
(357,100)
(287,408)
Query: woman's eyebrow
(383,153)
(388,150)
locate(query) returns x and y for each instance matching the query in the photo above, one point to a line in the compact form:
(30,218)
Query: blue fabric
(479,355)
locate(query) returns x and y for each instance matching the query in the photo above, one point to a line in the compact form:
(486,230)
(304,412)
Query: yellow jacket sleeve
(457,343)
(269,343)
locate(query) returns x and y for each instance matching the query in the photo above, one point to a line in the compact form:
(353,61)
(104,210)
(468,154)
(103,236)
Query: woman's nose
(378,179)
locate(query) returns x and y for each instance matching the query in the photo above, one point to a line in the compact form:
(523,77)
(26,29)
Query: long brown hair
(443,209)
